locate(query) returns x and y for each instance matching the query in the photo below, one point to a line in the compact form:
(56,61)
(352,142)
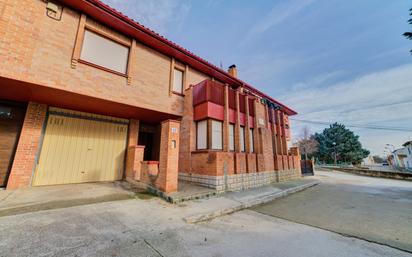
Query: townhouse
(87,94)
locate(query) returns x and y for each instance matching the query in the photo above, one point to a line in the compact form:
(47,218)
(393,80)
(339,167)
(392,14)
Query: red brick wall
(28,146)
(37,49)
(251,162)
(169,156)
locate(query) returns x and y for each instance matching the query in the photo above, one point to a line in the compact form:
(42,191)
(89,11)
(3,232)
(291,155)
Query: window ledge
(102,68)
(177,93)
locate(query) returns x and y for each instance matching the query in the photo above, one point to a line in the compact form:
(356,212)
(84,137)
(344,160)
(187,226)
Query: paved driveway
(374,209)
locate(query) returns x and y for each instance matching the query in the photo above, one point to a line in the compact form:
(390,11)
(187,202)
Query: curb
(244,205)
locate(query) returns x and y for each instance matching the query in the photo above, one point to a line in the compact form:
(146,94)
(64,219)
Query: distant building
(402,157)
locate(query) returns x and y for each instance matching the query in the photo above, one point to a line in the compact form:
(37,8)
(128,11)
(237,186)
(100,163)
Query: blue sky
(330,60)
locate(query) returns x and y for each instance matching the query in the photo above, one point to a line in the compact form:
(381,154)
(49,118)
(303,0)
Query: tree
(408,34)
(339,144)
(307,144)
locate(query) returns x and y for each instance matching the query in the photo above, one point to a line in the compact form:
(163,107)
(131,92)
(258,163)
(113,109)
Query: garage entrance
(81,147)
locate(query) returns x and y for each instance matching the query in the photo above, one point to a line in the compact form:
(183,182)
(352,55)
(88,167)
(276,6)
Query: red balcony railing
(208,91)
(242,103)
(251,107)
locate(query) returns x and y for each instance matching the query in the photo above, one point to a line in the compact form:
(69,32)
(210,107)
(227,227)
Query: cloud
(278,14)
(319,80)
(380,98)
(158,15)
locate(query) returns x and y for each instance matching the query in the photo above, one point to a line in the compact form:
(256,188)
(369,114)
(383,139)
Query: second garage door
(80,147)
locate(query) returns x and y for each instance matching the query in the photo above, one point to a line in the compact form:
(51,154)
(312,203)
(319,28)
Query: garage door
(80,147)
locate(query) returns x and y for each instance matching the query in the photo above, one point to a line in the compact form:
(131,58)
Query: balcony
(209,100)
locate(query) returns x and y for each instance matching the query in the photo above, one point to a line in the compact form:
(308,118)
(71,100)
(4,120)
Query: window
(178,81)
(104,52)
(217,135)
(242,139)
(202,134)
(251,142)
(231,137)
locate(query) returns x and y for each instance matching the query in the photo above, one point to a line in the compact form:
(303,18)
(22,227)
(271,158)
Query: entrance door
(11,121)
(81,147)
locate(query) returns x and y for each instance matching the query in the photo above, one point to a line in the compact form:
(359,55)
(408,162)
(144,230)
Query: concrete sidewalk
(60,196)
(228,203)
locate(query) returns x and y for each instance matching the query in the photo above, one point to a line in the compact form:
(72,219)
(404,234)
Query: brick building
(87,94)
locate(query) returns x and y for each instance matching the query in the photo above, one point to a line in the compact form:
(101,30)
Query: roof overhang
(24,92)
(121,23)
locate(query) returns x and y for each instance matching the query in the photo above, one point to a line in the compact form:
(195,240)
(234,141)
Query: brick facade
(28,146)
(42,66)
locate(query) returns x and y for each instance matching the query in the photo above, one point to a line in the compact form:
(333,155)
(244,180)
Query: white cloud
(158,15)
(278,14)
(381,98)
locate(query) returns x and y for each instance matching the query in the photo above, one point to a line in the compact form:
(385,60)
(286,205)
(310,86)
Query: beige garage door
(81,147)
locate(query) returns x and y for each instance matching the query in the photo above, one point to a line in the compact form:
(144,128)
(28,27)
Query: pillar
(169,156)
(28,147)
(247,126)
(132,138)
(226,119)
(279,148)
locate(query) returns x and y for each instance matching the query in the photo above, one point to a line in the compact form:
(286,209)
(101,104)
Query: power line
(375,127)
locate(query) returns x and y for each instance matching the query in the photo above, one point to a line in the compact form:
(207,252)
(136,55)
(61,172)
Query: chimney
(232,70)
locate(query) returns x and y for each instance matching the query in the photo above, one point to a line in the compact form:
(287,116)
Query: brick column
(255,131)
(274,139)
(169,156)
(279,156)
(237,125)
(131,144)
(247,131)
(284,143)
(28,146)
(226,120)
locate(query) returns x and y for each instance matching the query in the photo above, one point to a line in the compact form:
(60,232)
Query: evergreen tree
(408,34)
(339,144)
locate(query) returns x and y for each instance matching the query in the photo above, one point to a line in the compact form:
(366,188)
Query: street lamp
(334,150)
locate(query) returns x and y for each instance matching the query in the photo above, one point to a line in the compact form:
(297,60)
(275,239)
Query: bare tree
(307,144)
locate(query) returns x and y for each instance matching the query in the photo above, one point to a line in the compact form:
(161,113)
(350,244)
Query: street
(374,209)
(153,227)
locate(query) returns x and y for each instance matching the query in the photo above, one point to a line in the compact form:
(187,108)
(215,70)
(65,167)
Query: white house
(402,157)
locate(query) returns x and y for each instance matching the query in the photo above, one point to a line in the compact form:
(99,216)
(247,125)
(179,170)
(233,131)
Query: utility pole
(334,150)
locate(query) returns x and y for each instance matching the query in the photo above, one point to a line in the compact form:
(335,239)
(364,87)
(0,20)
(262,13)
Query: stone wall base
(239,182)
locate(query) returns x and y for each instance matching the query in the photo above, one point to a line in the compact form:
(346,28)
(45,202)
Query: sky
(330,60)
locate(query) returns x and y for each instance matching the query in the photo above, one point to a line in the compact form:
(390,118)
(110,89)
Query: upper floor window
(178,81)
(104,52)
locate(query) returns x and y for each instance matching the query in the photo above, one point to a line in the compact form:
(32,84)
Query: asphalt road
(374,209)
